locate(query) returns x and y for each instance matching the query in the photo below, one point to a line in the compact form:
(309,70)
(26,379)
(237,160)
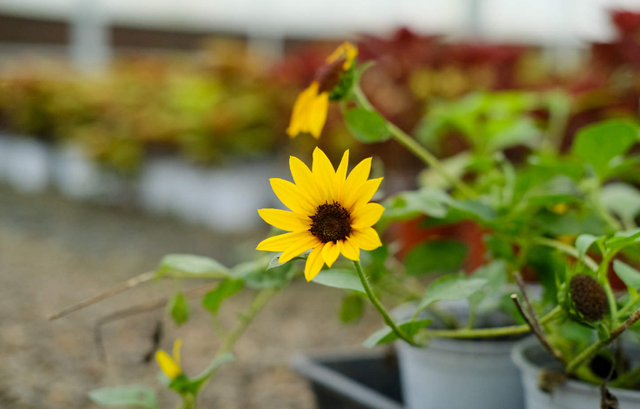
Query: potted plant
(531,211)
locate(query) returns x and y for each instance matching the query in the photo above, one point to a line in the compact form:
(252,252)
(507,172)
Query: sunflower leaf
(225,289)
(629,275)
(187,265)
(386,334)
(178,308)
(339,278)
(366,126)
(451,287)
(129,395)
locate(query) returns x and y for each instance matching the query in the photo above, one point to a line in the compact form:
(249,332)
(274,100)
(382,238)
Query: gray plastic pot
(530,357)
(459,374)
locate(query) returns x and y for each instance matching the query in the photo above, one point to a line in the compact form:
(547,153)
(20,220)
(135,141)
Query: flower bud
(589,297)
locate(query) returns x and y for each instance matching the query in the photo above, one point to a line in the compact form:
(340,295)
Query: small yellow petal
(347,51)
(285,220)
(359,197)
(317,115)
(350,250)
(292,197)
(367,215)
(167,365)
(366,239)
(300,246)
(330,253)
(281,242)
(324,174)
(304,179)
(341,176)
(314,263)
(176,351)
(301,108)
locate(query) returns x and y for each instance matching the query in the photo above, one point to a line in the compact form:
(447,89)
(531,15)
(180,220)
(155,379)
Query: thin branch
(138,309)
(123,286)
(535,327)
(594,348)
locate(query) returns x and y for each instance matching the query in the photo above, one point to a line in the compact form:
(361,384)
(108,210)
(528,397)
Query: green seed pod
(589,297)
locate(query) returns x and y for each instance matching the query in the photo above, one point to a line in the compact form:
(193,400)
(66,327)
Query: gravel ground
(54,252)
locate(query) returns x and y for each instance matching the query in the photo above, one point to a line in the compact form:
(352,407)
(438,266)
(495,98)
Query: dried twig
(123,286)
(138,309)
(537,331)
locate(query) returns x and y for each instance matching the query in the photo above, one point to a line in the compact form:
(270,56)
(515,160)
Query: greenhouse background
(133,129)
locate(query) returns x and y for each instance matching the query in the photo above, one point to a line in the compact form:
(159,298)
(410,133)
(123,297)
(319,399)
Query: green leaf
(629,275)
(186,265)
(199,380)
(386,334)
(411,204)
(257,275)
(366,126)
(352,308)
(178,308)
(622,199)
(496,275)
(130,395)
(435,256)
(225,289)
(339,278)
(623,239)
(583,242)
(451,287)
(599,143)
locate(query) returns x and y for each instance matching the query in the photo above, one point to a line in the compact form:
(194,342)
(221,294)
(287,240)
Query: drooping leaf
(352,308)
(629,275)
(622,199)
(225,289)
(599,143)
(583,242)
(129,395)
(386,334)
(435,256)
(178,308)
(186,265)
(339,278)
(451,287)
(366,126)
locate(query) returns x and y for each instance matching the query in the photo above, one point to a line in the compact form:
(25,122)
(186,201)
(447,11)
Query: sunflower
(330,212)
(170,365)
(311,106)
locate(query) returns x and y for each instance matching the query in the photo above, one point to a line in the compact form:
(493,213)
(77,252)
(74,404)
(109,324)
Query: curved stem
(411,144)
(490,332)
(565,248)
(383,312)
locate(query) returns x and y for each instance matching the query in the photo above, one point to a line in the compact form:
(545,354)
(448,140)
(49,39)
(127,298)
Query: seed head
(589,297)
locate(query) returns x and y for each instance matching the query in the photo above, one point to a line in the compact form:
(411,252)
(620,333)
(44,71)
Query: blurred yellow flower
(170,366)
(311,106)
(330,212)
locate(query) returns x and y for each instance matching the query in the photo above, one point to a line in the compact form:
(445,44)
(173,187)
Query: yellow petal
(167,365)
(300,114)
(300,246)
(304,179)
(281,242)
(358,176)
(292,197)
(324,174)
(350,250)
(330,252)
(341,176)
(176,351)
(285,220)
(314,263)
(346,50)
(317,115)
(359,197)
(367,215)
(366,239)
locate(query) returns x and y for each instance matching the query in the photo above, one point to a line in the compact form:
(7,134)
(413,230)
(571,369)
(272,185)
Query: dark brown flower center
(332,222)
(328,75)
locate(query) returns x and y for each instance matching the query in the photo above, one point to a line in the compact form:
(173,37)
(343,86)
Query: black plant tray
(352,381)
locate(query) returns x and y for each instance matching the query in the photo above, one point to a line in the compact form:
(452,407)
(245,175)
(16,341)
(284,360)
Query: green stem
(420,151)
(189,401)
(629,305)
(565,248)
(490,332)
(383,312)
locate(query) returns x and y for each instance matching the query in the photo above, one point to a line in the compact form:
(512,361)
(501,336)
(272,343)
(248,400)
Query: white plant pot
(459,374)
(530,357)
(75,174)
(27,164)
